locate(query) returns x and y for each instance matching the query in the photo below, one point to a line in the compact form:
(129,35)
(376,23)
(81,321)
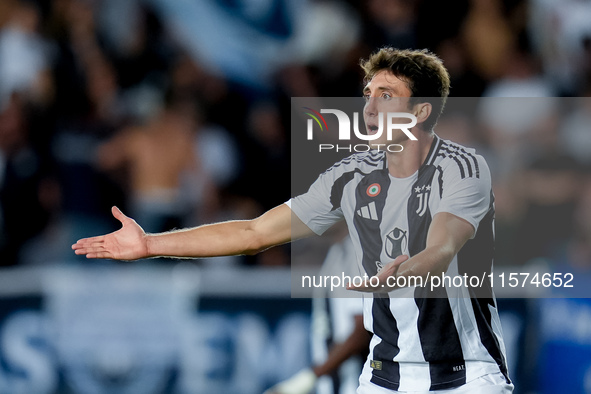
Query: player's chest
(381,201)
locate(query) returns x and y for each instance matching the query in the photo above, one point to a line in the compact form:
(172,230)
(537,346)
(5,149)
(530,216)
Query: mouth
(372,129)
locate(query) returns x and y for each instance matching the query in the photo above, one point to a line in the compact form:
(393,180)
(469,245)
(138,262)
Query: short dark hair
(421,70)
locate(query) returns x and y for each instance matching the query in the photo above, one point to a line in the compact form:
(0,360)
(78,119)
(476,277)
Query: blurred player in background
(420,212)
(339,338)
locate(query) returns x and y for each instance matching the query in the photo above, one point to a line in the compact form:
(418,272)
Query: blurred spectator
(464,81)
(324,54)
(516,127)
(574,129)
(327,32)
(22,215)
(457,125)
(243,41)
(24,54)
(560,30)
(391,23)
(577,253)
(265,177)
(157,157)
(550,187)
(87,82)
(218,154)
(432,29)
(586,68)
(85,69)
(136,41)
(80,129)
(219,161)
(520,77)
(488,37)
(222,103)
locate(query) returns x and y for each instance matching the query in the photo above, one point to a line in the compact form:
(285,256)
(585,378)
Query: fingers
(89,249)
(382,282)
(93,248)
(399,260)
(370,285)
(88,242)
(99,255)
(118,214)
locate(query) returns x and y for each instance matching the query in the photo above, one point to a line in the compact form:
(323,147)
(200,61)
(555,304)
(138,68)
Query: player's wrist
(151,245)
(394,278)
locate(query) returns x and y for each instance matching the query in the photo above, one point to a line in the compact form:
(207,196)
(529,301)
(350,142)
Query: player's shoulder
(363,162)
(453,158)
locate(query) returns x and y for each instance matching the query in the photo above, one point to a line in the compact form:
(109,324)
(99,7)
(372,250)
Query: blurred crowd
(109,102)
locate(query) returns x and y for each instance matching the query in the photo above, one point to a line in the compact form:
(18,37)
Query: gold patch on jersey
(375,365)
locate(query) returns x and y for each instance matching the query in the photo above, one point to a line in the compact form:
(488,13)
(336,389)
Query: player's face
(385,93)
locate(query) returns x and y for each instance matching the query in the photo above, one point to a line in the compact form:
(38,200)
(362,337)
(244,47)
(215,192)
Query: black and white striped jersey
(423,339)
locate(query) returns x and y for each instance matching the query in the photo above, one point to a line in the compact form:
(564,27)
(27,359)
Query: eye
(366,96)
(386,96)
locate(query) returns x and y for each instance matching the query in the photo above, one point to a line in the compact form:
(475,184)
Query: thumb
(394,265)
(399,260)
(118,214)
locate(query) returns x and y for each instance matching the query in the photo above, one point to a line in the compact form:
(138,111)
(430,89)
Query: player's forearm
(447,235)
(432,261)
(236,237)
(220,239)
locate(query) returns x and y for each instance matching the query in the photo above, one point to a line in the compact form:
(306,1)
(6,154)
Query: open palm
(127,243)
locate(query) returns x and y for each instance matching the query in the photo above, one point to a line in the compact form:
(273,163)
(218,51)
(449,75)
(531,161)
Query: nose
(371,108)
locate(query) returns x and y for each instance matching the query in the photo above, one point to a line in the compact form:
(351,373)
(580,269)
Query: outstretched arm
(276,226)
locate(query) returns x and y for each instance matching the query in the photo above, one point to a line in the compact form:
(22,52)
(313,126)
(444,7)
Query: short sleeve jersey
(429,339)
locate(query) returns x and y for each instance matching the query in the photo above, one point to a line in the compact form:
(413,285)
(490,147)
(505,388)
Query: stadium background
(83,82)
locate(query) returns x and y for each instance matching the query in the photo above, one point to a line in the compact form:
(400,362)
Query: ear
(422,112)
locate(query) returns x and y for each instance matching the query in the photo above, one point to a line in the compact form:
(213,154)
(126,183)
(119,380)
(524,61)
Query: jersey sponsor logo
(374,189)
(374,364)
(396,242)
(368,211)
(422,193)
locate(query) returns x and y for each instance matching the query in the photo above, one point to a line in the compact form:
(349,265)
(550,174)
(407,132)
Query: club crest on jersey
(396,243)
(374,189)
(422,193)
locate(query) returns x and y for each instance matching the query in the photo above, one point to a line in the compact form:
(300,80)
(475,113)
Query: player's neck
(404,164)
